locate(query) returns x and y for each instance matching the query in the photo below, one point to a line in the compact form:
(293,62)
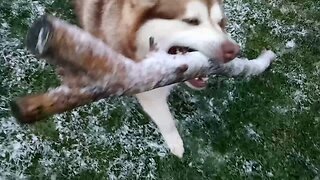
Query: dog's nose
(230,51)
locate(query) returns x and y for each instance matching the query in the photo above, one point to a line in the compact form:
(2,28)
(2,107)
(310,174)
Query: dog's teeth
(180,52)
(197,79)
(205,79)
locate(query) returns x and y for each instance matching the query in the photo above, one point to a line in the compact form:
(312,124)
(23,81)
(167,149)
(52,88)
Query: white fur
(206,38)
(216,13)
(155,104)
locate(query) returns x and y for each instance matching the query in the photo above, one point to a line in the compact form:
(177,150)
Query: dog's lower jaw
(155,105)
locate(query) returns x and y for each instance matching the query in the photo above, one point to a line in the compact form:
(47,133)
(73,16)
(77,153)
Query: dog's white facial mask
(198,29)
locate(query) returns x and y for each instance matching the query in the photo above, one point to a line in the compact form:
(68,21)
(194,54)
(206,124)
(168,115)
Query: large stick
(94,71)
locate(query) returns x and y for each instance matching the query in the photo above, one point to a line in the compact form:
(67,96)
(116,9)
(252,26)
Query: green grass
(265,127)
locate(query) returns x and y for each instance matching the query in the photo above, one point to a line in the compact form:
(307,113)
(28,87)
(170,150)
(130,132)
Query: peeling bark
(91,70)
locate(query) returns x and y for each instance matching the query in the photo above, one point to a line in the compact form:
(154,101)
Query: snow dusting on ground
(114,137)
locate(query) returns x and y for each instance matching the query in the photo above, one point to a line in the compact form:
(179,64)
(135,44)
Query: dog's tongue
(198,82)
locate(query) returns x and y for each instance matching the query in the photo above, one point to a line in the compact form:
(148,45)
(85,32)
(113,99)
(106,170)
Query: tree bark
(91,70)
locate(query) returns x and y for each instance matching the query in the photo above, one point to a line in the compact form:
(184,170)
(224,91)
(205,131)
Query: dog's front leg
(245,67)
(155,105)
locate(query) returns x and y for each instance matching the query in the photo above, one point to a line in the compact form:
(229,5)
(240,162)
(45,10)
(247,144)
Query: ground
(265,127)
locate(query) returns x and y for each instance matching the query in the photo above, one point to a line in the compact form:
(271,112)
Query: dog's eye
(192,21)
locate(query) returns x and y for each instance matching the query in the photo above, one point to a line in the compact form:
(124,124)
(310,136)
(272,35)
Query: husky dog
(179,27)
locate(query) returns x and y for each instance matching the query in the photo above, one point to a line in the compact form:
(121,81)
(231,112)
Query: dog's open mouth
(180,50)
(197,83)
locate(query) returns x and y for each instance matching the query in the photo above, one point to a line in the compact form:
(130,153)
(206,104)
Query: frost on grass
(244,18)
(18,144)
(23,151)
(252,134)
(83,143)
(251,167)
(108,137)
(260,13)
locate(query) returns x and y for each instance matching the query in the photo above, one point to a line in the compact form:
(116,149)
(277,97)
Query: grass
(265,127)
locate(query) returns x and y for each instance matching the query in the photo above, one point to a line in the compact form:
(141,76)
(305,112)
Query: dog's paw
(175,145)
(268,55)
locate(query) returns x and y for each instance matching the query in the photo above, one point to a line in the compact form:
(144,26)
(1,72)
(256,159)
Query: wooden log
(94,71)
(34,108)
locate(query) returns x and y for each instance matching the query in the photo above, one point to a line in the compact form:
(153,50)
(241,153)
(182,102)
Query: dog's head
(181,26)
(178,26)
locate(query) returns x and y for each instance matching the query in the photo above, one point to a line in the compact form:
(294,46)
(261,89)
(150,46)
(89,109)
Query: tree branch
(92,71)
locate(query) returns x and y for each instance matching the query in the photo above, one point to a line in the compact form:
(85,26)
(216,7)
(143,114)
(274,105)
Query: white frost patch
(299,96)
(251,133)
(270,174)
(251,166)
(291,44)
(281,110)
